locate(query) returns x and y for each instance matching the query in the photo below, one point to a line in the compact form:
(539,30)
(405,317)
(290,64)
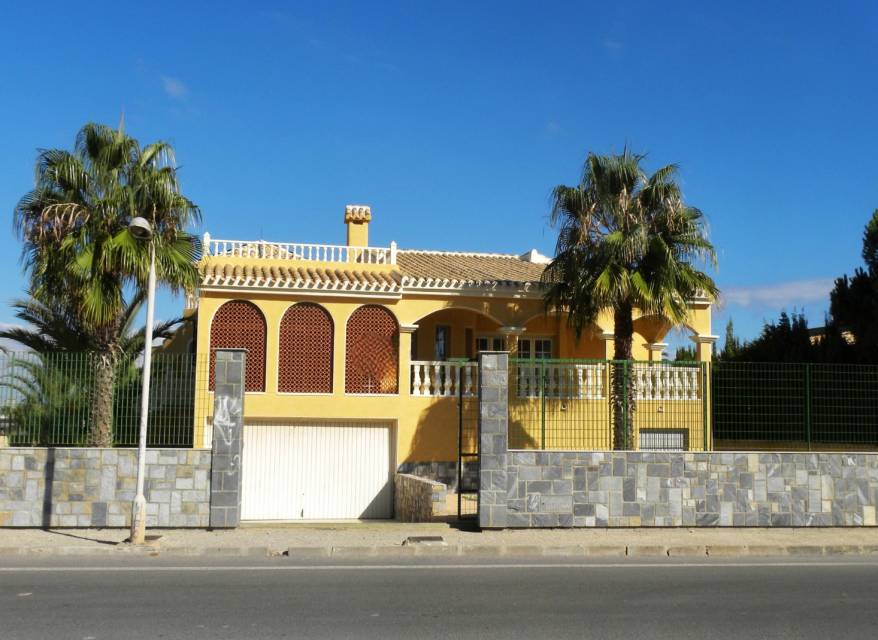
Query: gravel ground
(280,537)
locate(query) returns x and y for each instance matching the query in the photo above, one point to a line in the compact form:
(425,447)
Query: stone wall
(443,471)
(418,499)
(633,489)
(77,487)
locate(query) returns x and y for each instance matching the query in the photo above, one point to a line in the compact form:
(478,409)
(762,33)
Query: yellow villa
(359,356)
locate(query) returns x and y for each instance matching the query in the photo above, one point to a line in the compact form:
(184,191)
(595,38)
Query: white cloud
(779,295)
(613,45)
(175,87)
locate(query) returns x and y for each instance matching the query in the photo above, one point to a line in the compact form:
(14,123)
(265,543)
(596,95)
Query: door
(316,471)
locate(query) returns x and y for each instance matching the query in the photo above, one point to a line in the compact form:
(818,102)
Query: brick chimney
(357,218)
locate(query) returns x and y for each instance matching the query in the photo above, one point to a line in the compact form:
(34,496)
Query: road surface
(96,599)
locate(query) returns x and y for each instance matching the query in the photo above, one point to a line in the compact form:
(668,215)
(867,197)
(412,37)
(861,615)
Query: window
(443,342)
(372,351)
(490,343)
(239,324)
(540,348)
(305,350)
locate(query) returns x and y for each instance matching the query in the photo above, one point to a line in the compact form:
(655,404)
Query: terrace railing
(261,249)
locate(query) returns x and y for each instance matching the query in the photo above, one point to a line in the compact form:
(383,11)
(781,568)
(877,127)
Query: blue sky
(455,120)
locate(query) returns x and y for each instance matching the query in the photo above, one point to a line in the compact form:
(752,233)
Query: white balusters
(416,379)
(665,383)
(442,378)
(299,251)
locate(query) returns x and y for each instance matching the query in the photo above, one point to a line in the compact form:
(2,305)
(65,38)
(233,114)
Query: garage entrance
(317,471)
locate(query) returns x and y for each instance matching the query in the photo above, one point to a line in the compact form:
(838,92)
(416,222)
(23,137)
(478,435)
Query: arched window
(305,350)
(240,325)
(372,351)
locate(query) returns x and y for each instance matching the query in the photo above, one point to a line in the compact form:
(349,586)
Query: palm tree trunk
(101,422)
(623,380)
(105,362)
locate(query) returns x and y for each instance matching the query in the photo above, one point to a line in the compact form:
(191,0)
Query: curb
(400,551)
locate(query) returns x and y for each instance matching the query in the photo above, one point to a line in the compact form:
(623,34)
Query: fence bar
(808,404)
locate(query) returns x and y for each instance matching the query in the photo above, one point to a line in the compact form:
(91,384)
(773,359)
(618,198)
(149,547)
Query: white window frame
(531,342)
(492,341)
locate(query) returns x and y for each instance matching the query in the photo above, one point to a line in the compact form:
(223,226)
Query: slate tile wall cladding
(228,435)
(634,489)
(77,487)
(493,438)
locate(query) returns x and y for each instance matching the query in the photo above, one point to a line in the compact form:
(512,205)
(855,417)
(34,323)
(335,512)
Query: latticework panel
(372,352)
(240,325)
(305,350)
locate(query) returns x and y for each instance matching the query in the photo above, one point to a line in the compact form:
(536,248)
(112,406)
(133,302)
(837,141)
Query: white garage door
(316,471)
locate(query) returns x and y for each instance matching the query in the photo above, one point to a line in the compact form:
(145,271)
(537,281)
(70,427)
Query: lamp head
(140,228)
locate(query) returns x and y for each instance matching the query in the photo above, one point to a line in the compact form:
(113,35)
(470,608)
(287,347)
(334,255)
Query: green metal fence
(47,399)
(794,406)
(604,405)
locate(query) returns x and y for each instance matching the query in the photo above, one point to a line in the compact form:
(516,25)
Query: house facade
(358,357)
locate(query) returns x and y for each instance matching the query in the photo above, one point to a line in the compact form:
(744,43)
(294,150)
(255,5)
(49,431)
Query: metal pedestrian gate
(468,452)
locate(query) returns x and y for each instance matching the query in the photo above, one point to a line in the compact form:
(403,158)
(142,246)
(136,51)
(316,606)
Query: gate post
(493,437)
(228,432)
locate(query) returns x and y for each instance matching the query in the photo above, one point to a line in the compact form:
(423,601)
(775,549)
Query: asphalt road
(276,598)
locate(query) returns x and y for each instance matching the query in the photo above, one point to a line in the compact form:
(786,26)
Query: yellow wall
(426,428)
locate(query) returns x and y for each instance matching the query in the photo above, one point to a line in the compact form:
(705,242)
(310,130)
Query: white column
(510,335)
(656,350)
(405,358)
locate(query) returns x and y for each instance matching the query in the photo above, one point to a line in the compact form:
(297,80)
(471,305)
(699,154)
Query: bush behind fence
(794,405)
(46,399)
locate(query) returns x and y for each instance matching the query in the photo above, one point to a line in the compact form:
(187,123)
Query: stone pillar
(655,350)
(493,438)
(406,333)
(228,433)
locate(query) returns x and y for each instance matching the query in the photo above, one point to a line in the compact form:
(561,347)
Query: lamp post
(141,229)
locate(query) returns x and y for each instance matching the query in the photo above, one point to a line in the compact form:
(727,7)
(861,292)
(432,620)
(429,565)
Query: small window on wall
(490,343)
(542,348)
(443,343)
(539,348)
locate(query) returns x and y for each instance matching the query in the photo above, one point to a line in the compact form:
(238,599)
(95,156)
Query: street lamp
(141,229)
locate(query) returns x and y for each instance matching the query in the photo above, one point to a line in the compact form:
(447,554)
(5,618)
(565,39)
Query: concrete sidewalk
(391,538)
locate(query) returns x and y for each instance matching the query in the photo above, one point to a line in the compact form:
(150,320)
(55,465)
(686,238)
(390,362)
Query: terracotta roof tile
(300,278)
(472,268)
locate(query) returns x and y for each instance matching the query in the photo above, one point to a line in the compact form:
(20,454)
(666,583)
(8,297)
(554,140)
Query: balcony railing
(563,380)
(666,382)
(590,381)
(299,251)
(444,379)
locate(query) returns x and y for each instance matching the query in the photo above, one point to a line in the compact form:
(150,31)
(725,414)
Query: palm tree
(626,241)
(79,252)
(50,328)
